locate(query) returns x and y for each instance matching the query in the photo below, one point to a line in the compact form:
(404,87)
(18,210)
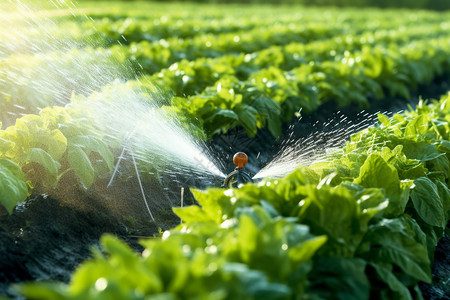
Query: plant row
(79,143)
(28,83)
(271,95)
(157,24)
(39,150)
(40,80)
(190,77)
(362,225)
(152,59)
(107,31)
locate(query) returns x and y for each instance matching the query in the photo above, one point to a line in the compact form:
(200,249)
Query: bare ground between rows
(50,234)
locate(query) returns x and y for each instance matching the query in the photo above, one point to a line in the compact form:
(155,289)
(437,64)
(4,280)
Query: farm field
(119,122)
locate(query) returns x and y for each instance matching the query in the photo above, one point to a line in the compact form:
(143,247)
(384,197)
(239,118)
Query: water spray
(238,176)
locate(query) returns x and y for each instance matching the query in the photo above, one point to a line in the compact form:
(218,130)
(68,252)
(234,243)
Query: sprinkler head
(240,159)
(238,176)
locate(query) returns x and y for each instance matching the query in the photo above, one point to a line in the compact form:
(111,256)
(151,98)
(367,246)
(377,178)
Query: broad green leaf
(80,163)
(417,127)
(421,150)
(226,113)
(219,120)
(372,201)
(392,241)
(444,194)
(428,203)
(5,146)
(444,146)
(274,125)
(247,118)
(57,144)
(255,283)
(252,194)
(214,204)
(335,213)
(270,110)
(42,157)
(13,188)
(118,248)
(191,214)
(307,249)
(384,120)
(42,290)
(248,237)
(92,143)
(339,278)
(399,290)
(377,173)
(292,187)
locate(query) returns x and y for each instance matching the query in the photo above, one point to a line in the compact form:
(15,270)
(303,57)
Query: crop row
(158,24)
(155,56)
(28,83)
(39,150)
(271,95)
(189,77)
(107,32)
(363,225)
(64,32)
(50,77)
(75,143)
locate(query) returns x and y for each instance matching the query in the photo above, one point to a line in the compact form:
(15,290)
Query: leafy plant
(357,227)
(42,148)
(13,188)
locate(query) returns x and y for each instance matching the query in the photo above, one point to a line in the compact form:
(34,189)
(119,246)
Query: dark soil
(46,239)
(440,289)
(48,236)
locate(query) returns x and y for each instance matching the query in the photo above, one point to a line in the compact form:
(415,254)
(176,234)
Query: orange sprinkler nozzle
(238,176)
(240,159)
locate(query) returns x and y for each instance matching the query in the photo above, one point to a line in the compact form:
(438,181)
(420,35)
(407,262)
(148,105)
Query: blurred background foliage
(417,4)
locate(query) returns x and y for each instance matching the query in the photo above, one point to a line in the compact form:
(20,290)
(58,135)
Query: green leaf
(377,173)
(274,125)
(339,278)
(248,237)
(335,213)
(92,143)
(42,157)
(393,241)
(118,248)
(444,194)
(307,249)
(80,163)
(255,283)
(42,290)
(384,120)
(13,188)
(214,204)
(247,118)
(444,146)
(422,151)
(191,214)
(428,203)
(5,145)
(417,127)
(271,111)
(226,113)
(400,291)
